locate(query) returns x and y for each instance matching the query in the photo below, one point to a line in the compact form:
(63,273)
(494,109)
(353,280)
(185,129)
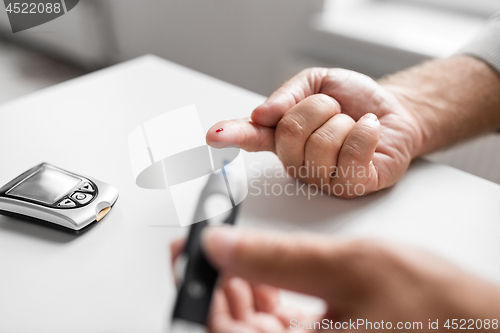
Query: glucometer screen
(46,185)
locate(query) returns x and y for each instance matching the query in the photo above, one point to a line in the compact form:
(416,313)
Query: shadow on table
(35,230)
(302,207)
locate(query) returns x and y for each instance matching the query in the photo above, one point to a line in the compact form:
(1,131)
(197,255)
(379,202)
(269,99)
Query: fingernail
(371,116)
(221,145)
(219,243)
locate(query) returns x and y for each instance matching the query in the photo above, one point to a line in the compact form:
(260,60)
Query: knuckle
(313,78)
(306,71)
(289,127)
(282,90)
(311,71)
(366,132)
(242,245)
(359,142)
(324,102)
(368,251)
(320,141)
(283,251)
(353,149)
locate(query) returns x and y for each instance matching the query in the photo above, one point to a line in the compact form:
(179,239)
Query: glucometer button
(87,187)
(66,203)
(82,198)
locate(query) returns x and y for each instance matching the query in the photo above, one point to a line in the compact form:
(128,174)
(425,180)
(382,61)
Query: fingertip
(361,143)
(263,115)
(176,248)
(222,135)
(370,128)
(266,298)
(177,245)
(219,303)
(270,112)
(219,244)
(241,133)
(239,297)
(258,115)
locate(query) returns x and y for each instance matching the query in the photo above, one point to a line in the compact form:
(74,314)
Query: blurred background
(255,44)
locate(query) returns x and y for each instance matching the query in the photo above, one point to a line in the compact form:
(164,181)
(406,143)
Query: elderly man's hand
(368,280)
(350,134)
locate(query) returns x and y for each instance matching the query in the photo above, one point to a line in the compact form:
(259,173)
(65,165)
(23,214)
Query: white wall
(76,36)
(242,42)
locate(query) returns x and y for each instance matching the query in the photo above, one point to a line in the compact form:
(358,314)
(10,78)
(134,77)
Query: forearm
(451,99)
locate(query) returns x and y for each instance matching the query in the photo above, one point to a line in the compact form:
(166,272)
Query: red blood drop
(219,130)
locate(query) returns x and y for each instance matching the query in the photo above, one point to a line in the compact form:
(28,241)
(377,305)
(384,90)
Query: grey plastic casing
(74,218)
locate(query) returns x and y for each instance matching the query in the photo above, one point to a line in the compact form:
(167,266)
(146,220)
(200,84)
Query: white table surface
(116,277)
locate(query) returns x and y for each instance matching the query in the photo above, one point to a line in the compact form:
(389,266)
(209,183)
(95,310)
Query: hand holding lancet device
(58,198)
(198,277)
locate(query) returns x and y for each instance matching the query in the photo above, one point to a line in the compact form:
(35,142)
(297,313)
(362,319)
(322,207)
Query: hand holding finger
(323,147)
(298,124)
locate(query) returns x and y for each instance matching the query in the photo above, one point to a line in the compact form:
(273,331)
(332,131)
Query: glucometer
(58,198)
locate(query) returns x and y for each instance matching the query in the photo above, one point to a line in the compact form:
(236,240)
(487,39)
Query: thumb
(305,264)
(355,167)
(241,133)
(306,83)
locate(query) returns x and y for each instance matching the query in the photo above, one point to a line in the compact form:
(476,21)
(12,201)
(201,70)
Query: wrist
(410,104)
(449,99)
